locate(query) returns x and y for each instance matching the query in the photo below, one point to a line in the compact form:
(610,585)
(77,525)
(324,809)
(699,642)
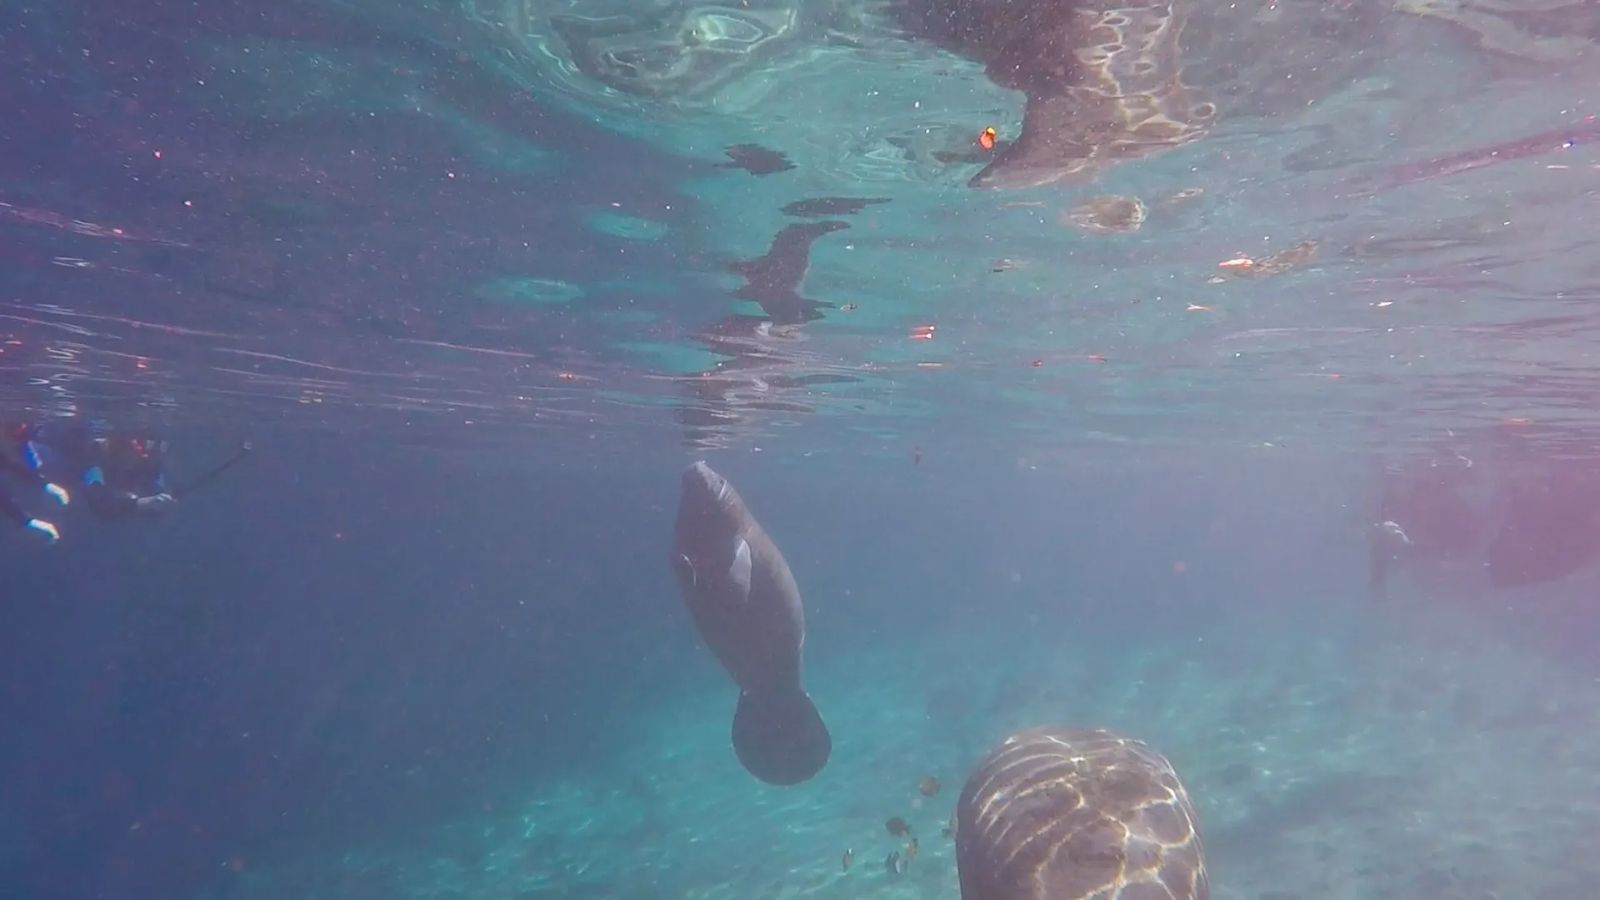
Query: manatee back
(1059,813)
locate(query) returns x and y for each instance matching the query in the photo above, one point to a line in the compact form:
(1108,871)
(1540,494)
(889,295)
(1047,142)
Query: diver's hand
(46,529)
(158,503)
(58,492)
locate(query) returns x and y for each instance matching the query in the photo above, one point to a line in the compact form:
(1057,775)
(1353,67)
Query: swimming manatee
(747,608)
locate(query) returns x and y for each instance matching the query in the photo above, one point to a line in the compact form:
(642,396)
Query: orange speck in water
(1180,567)
(922,333)
(1037,363)
(1238,262)
(986,138)
(1195,307)
(158,154)
(570,376)
(1518,421)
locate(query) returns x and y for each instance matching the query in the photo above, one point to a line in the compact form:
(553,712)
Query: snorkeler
(117,474)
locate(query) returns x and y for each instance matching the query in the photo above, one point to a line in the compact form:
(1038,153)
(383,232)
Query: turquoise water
(1446,767)
(478,278)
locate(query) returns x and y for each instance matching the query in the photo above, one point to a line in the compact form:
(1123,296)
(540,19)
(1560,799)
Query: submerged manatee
(746,606)
(1059,813)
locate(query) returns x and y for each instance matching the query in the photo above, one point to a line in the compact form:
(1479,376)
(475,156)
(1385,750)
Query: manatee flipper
(1049,147)
(739,572)
(779,737)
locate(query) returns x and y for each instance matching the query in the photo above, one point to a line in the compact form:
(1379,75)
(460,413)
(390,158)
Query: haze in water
(1219,375)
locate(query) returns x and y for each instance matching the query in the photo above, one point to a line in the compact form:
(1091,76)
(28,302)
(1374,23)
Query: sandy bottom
(1402,756)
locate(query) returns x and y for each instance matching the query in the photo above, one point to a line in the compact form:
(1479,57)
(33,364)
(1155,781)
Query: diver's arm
(113,504)
(109,504)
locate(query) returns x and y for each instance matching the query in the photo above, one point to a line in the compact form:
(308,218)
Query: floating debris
(1276,264)
(928,786)
(897,827)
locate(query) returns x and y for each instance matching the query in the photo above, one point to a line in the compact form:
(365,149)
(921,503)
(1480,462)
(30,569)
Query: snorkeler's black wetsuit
(11,511)
(12,467)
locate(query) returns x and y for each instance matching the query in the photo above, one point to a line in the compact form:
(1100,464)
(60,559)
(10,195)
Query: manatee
(1058,813)
(1550,527)
(1101,78)
(1424,515)
(747,608)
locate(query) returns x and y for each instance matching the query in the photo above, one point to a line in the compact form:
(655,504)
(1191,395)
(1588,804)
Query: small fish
(986,138)
(894,864)
(897,826)
(929,785)
(844,862)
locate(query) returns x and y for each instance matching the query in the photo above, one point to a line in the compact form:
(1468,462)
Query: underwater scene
(780,449)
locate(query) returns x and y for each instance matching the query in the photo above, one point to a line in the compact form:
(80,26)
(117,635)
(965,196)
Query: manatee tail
(779,737)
